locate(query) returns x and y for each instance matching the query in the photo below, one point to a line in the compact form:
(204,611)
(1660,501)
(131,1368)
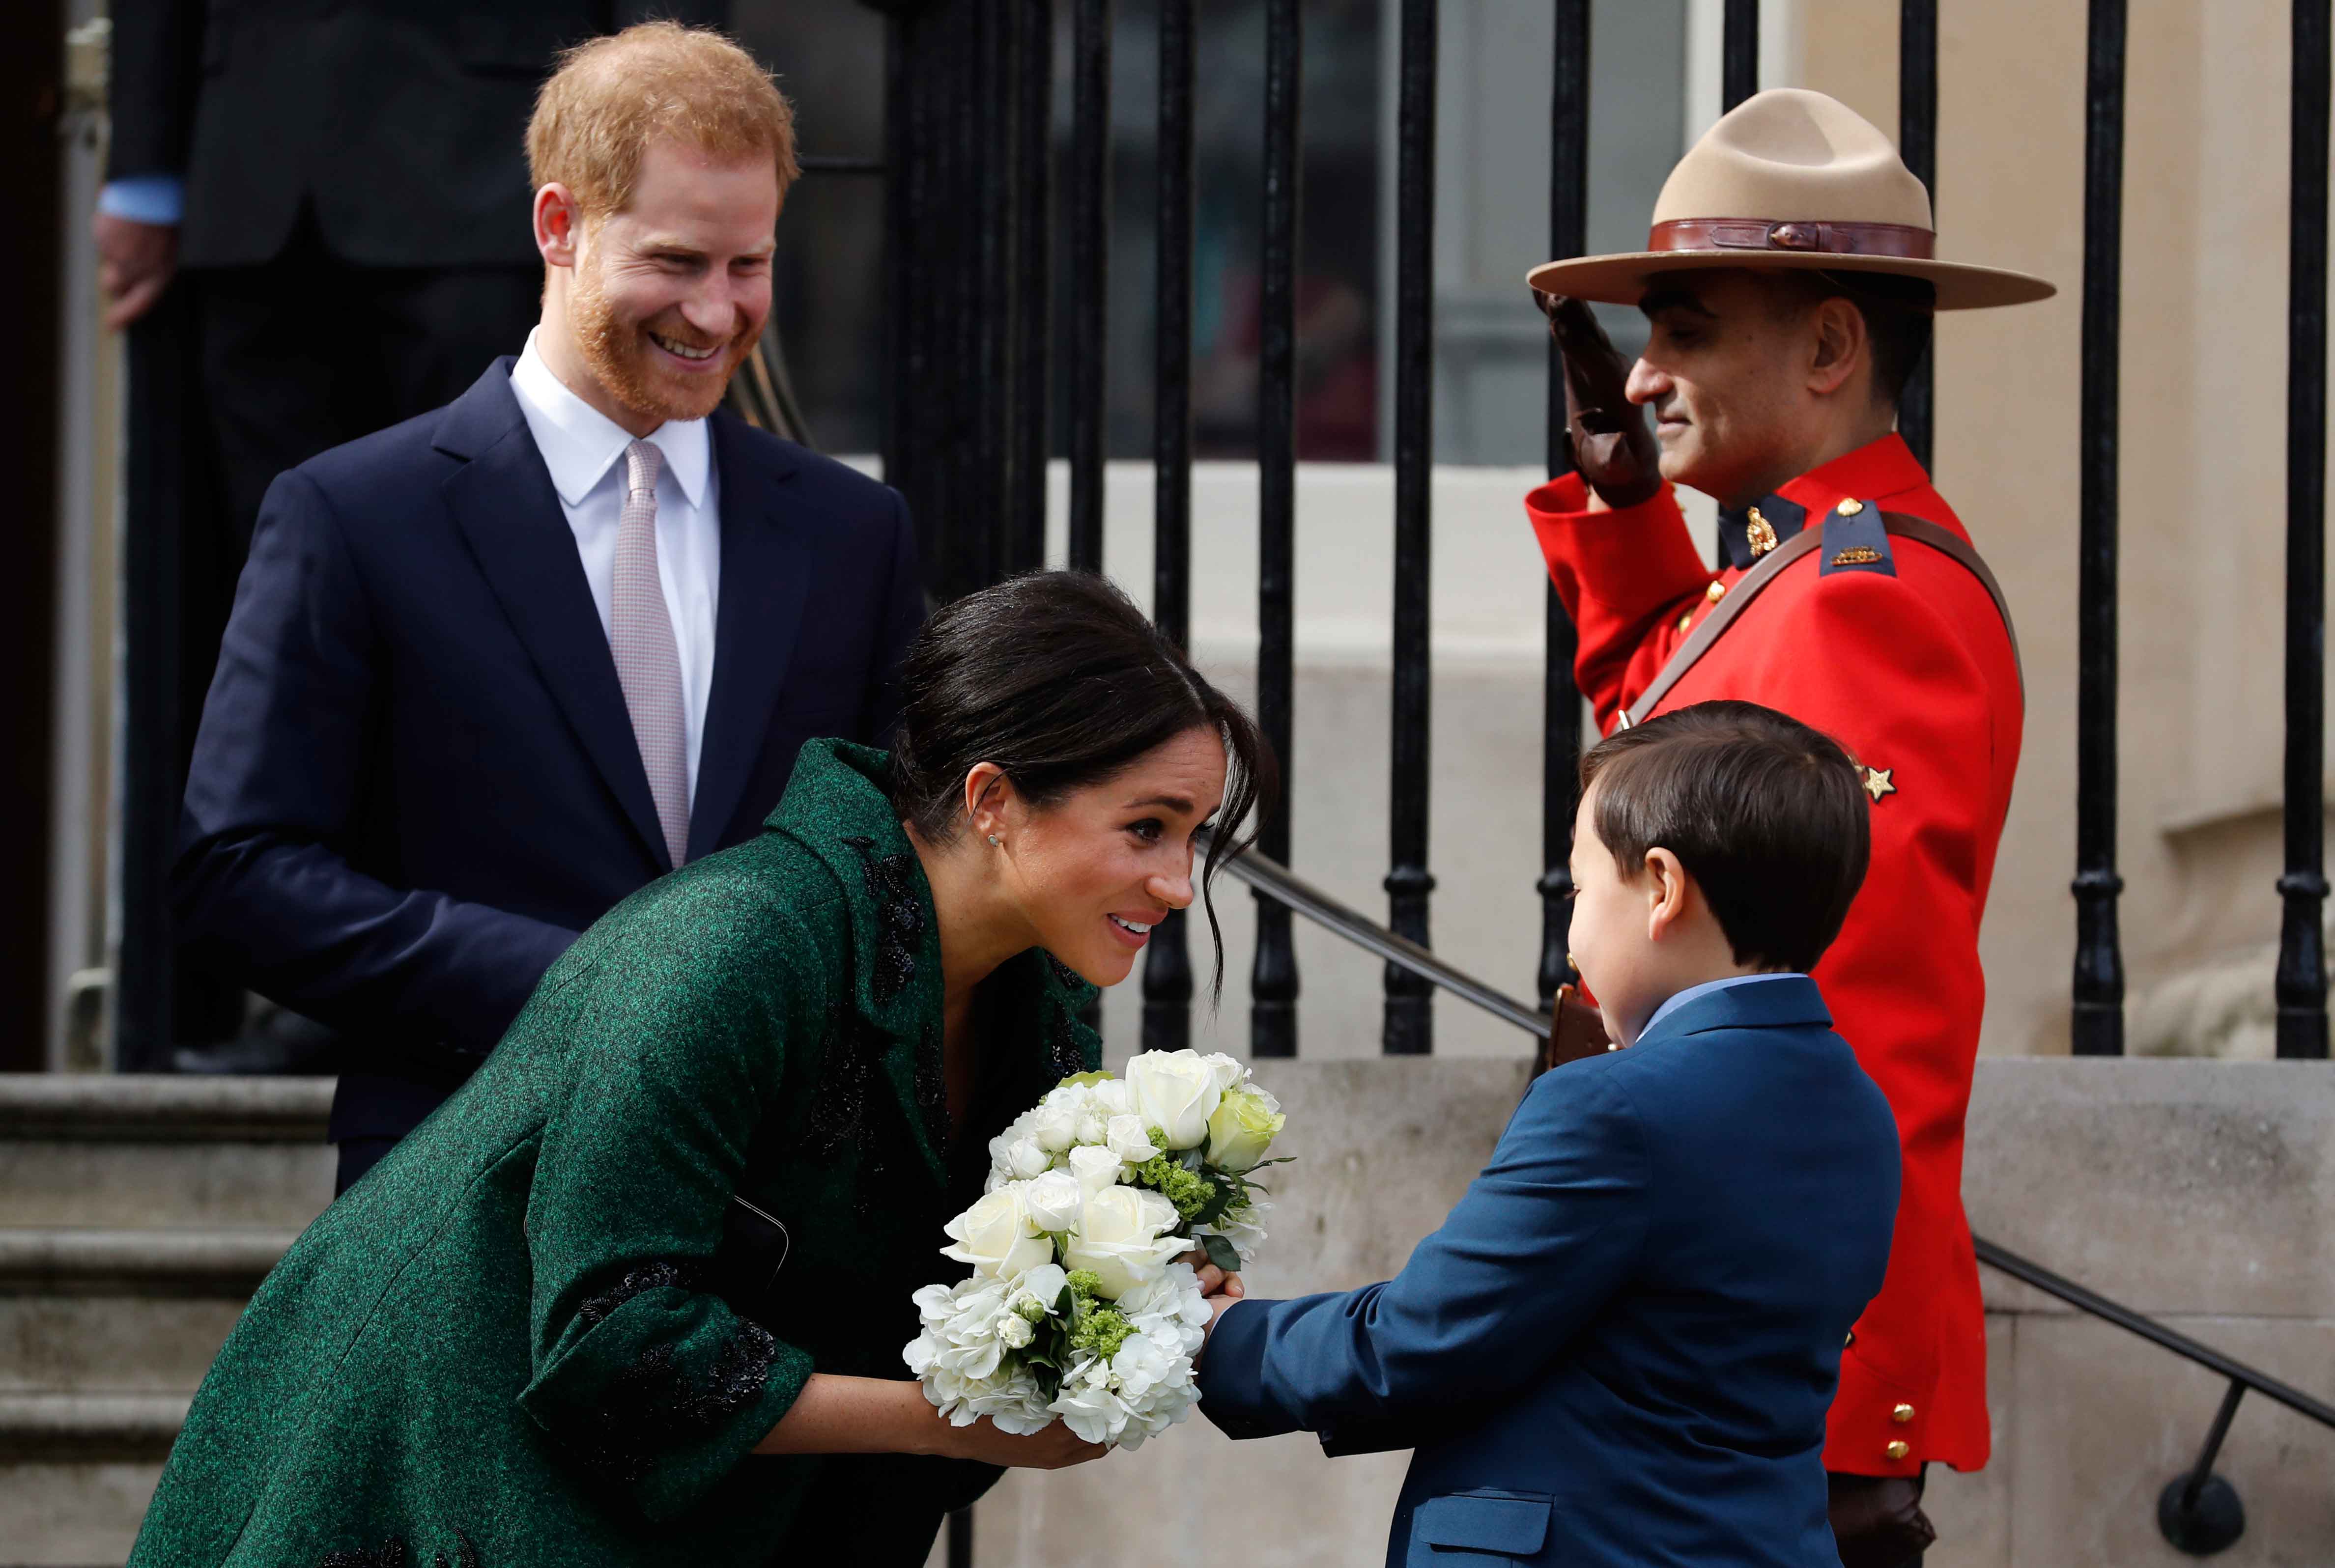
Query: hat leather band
(1708,233)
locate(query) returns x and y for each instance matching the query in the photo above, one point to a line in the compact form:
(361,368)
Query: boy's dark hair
(1767,814)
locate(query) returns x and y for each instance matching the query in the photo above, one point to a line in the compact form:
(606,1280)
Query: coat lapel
(503,501)
(765,578)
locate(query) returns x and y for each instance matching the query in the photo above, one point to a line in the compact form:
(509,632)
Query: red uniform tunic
(1915,674)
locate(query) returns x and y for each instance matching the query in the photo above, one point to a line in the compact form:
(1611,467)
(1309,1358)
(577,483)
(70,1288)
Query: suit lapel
(765,578)
(503,501)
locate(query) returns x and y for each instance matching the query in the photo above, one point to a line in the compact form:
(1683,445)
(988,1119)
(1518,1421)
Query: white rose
(1014,1331)
(1127,1138)
(1113,1097)
(995,1238)
(1095,1169)
(1125,1237)
(1055,1125)
(1054,1200)
(1175,1091)
(1229,1074)
(1024,1159)
(1093,1124)
(1242,1127)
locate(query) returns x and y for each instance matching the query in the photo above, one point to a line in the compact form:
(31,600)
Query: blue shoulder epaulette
(1854,540)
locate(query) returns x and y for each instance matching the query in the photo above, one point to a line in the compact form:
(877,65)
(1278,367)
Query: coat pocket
(1479,1529)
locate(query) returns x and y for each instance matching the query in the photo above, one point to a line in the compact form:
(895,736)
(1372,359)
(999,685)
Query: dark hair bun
(1058,679)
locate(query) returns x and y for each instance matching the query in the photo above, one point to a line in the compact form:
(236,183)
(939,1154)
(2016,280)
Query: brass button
(1898,1450)
(1718,591)
(1850,508)
(1901,1414)
(1685,622)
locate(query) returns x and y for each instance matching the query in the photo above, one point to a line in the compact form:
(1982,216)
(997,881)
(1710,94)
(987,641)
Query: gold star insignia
(1878,783)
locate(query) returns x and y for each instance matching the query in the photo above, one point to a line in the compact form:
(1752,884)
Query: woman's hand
(1052,1447)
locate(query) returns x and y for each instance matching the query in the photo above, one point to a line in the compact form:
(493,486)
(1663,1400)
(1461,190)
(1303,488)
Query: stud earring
(996,841)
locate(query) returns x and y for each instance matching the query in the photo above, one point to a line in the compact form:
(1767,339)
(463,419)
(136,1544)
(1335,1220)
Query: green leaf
(1222,1252)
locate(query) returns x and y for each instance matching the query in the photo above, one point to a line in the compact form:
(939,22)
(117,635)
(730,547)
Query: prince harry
(494,669)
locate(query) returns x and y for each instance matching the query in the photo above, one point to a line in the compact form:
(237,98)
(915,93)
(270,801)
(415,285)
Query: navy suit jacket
(1620,1347)
(416,779)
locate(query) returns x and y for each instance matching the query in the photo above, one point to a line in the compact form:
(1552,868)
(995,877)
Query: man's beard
(618,352)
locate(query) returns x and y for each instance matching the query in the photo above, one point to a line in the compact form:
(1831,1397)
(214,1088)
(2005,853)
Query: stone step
(72,1516)
(76,1473)
(153,1153)
(90,1310)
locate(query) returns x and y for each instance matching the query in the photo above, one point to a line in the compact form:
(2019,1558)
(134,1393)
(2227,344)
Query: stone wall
(2199,1193)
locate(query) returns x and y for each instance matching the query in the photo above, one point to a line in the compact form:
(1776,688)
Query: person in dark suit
(343,187)
(491,670)
(1621,1346)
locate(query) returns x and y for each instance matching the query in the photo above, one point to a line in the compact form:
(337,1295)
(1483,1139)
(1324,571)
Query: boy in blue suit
(1620,1347)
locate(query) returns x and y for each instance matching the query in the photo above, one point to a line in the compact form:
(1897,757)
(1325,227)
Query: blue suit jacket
(1620,1347)
(416,779)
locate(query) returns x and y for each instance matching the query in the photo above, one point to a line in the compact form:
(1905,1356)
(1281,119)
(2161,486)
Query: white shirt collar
(580,444)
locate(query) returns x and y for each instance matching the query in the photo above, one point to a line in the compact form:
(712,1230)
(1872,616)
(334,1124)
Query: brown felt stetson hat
(1794,180)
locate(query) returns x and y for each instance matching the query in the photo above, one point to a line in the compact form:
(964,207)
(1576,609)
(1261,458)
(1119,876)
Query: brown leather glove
(1613,443)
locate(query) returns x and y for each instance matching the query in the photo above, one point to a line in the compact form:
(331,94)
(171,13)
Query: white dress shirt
(583,447)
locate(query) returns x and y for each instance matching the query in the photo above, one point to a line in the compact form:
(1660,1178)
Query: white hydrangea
(1148,1385)
(959,1358)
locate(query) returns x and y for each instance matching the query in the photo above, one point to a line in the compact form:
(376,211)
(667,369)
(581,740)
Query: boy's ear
(1665,893)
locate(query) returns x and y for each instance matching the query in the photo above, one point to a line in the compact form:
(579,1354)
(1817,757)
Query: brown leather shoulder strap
(1901,525)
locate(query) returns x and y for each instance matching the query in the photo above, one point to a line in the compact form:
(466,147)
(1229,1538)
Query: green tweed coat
(493,1350)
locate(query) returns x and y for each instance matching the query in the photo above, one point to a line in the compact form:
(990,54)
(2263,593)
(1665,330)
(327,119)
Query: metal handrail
(2197,1510)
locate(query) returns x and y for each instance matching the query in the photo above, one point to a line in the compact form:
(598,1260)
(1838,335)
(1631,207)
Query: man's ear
(1665,893)
(558,225)
(1838,345)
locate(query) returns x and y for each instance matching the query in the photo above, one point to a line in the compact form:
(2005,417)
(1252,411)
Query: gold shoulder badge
(1878,783)
(1856,556)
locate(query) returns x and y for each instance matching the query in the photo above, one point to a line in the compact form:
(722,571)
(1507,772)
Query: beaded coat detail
(496,1349)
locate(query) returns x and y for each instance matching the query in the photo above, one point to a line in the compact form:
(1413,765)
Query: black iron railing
(2198,1511)
(968,420)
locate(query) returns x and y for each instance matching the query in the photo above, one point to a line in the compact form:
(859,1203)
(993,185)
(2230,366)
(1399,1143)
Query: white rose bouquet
(1077,1310)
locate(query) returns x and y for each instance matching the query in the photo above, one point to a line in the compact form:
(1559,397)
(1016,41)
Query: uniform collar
(580,444)
(1882,468)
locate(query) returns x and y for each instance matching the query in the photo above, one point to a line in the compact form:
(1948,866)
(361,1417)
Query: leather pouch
(1878,1520)
(1579,1032)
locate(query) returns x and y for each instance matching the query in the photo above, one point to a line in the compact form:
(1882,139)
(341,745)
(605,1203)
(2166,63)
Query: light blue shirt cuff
(159,198)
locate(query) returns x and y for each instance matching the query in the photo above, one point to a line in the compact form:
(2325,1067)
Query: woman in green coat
(542,1332)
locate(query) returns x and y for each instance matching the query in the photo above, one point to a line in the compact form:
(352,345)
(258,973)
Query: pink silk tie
(648,659)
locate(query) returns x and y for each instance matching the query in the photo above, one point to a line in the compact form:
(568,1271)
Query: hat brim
(1622,279)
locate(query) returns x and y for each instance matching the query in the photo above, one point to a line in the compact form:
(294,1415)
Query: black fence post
(1739,53)
(1917,143)
(2097,1027)
(2302,983)
(1410,1028)
(1167,966)
(1089,385)
(1569,231)
(1273,982)
(1031,351)
(1739,68)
